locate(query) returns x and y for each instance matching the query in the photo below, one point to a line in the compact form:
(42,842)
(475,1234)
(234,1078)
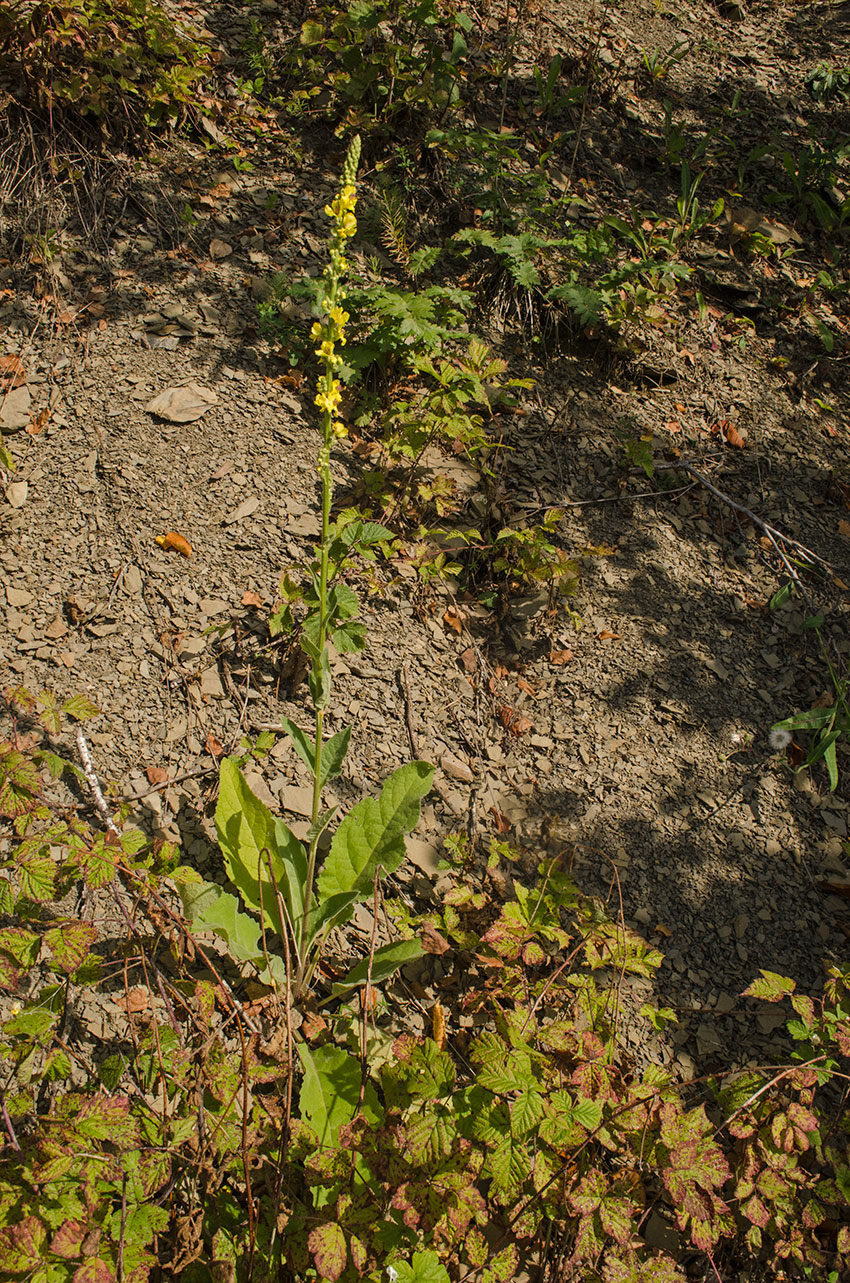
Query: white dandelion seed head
(392,1274)
(779,738)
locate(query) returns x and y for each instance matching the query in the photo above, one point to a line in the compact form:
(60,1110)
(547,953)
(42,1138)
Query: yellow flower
(326,351)
(339,429)
(316,330)
(329,398)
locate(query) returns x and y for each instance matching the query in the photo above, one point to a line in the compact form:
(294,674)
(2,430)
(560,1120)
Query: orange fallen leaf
(454,620)
(844,527)
(313,1025)
(156,774)
(661,930)
(526,686)
(38,422)
(673,425)
(214,746)
(175,543)
(560,656)
(733,437)
(438,1026)
(606,635)
(252,599)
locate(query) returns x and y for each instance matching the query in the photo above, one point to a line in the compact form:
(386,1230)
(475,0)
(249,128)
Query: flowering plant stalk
(273,871)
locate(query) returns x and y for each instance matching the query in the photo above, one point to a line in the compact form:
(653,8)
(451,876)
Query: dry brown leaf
(133,1001)
(214,746)
(156,774)
(12,372)
(469,659)
(252,599)
(38,422)
(526,686)
(454,620)
(661,930)
(438,1026)
(175,542)
(607,635)
(844,527)
(503,824)
(673,425)
(513,721)
(313,1025)
(432,941)
(560,656)
(733,437)
(841,889)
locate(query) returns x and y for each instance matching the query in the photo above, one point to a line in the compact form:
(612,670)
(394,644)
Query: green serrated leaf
(372,834)
(80,708)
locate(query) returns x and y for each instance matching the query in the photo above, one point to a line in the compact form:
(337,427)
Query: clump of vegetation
(124,63)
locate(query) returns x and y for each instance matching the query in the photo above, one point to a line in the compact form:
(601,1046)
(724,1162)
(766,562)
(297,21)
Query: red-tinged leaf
(68,1239)
(94,1271)
(156,775)
(526,686)
(12,373)
(70,944)
(106,1118)
(327,1245)
(673,426)
(22,1247)
(560,657)
(214,746)
(771,987)
(24,946)
(607,635)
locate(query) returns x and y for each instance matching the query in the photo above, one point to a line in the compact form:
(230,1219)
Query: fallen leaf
(844,527)
(156,775)
(454,620)
(526,686)
(661,930)
(246,507)
(175,543)
(513,721)
(39,422)
(133,1001)
(220,248)
(733,437)
(252,599)
(16,493)
(560,656)
(841,889)
(214,746)
(432,941)
(469,659)
(503,824)
(438,1026)
(606,635)
(312,1025)
(182,405)
(12,372)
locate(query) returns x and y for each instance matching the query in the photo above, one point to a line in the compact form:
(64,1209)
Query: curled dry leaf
(607,635)
(438,1026)
(453,619)
(513,721)
(133,1001)
(526,686)
(469,660)
(214,746)
(174,542)
(560,656)
(503,824)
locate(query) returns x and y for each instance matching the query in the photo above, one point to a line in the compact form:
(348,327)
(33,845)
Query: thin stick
(404,682)
(772,533)
(93,782)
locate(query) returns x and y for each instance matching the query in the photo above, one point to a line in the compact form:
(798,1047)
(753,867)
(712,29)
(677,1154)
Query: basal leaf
(209,908)
(330,1091)
(372,833)
(385,962)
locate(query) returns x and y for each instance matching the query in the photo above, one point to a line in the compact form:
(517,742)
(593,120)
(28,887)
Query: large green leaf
(330,1091)
(258,849)
(209,908)
(372,833)
(385,961)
